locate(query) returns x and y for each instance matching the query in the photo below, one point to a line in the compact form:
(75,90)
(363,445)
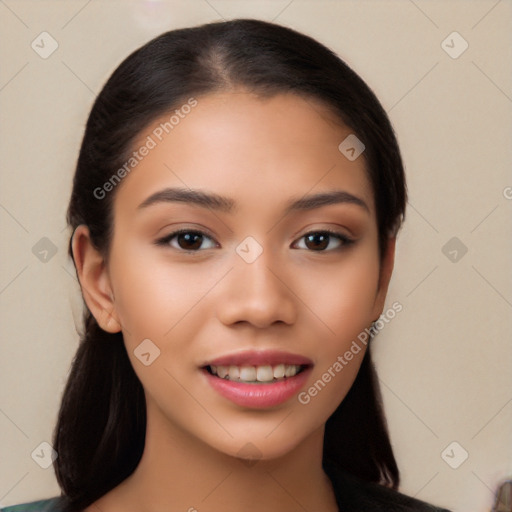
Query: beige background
(444,361)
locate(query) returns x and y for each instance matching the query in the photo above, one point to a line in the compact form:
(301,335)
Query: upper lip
(259,358)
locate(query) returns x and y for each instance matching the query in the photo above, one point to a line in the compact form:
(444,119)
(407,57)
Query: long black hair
(100,431)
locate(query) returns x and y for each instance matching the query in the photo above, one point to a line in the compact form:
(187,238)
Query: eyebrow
(225,204)
(197,197)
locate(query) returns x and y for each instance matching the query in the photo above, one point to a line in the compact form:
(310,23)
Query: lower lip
(259,396)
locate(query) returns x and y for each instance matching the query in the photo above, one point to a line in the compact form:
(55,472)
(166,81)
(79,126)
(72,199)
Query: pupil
(317,241)
(190,240)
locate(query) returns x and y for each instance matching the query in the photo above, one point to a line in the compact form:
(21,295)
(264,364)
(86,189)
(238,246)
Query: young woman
(234,212)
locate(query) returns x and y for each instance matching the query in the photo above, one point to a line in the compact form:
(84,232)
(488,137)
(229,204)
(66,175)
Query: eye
(324,240)
(188,240)
(194,241)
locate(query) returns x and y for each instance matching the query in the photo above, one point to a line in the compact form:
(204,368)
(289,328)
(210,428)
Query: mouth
(261,374)
(258,380)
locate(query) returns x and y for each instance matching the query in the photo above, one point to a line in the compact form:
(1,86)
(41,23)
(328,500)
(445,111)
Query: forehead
(256,150)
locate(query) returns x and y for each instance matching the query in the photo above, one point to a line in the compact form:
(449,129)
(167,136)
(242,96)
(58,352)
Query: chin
(261,447)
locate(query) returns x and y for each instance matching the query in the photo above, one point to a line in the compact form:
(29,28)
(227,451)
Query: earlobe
(386,269)
(94,280)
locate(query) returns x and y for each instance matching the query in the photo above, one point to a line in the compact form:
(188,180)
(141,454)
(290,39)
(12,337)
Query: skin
(196,306)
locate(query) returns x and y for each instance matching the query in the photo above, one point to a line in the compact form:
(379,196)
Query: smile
(258,379)
(256,374)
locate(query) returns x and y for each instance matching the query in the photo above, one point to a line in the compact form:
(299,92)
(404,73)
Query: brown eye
(317,241)
(190,241)
(187,240)
(323,241)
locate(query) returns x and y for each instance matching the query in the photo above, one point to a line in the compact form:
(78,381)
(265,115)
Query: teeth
(279,371)
(222,371)
(289,371)
(234,372)
(248,373)
(264,373)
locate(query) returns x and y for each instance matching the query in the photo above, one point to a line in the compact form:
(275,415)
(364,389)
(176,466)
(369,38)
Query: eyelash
(345,240)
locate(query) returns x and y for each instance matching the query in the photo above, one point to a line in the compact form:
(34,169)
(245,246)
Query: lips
(260,358)
(258,379)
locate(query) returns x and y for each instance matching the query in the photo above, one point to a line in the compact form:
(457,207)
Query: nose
(257,293)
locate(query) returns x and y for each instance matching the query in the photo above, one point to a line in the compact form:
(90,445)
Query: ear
(94,280)
(386,269)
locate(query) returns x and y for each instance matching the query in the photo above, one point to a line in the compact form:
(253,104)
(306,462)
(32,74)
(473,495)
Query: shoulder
(358,496)
(49,505)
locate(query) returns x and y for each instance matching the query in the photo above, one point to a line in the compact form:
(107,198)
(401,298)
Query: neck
(178,472)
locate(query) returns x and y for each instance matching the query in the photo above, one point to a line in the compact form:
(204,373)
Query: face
(245,254)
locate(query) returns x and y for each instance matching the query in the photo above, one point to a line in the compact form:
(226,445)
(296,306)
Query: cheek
(342,294)
(151,293)
(346,311)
